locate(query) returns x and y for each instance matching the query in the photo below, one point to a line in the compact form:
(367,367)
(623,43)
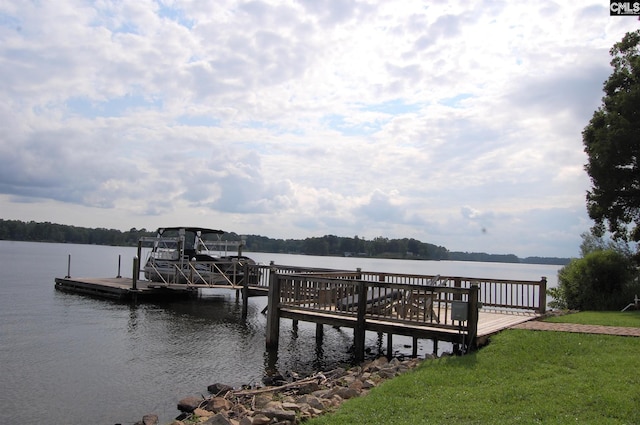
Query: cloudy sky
(454,123)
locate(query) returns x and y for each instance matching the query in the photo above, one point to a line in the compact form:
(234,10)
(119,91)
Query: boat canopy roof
(202,230)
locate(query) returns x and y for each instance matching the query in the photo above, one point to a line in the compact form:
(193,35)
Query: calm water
(72,359)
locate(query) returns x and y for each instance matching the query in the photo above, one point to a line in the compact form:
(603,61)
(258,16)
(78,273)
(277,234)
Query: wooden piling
(360,327)
(245,292)
(273,311)
(135,272)
(319,333)
(472,315)
(389,345)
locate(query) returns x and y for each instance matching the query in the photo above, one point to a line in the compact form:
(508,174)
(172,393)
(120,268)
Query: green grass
(607,318)
(521,377)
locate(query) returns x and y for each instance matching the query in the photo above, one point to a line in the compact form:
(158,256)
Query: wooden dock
(119,288)
(463,311)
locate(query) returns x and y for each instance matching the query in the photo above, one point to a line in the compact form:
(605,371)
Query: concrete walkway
(537,325)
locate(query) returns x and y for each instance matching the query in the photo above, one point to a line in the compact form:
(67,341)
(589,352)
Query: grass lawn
(521,377)
(607,318)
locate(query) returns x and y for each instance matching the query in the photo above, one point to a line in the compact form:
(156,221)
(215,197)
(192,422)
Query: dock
(119,288)
(462,310)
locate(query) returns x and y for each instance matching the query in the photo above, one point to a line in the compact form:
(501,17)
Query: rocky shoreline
(287,402)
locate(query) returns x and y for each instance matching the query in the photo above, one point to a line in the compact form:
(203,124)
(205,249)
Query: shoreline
(289,402)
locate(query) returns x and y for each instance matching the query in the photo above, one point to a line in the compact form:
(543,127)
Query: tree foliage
(603,279)
(51,232)
(612,143)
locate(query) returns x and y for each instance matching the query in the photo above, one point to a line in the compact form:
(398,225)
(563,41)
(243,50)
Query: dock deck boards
(119,288)
(489,323)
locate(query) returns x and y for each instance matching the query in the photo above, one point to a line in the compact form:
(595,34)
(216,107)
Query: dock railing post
(119,262)
(457,283)
(273,310)
(136,272)
(472,315)
(360,328)
(68,267)
(245,291)
(542,308)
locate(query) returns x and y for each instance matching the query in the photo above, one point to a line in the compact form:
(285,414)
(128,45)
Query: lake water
(72,359)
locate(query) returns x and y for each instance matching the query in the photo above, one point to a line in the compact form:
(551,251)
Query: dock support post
(68,267)
(245,292)
(543,296)
(472,316)
(414,350)
(319,333)
(389,346)
(134,276)
(273,310)
(360,328)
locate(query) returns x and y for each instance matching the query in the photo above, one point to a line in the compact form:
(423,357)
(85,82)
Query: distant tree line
(382,247)
(51,232)
(328,245)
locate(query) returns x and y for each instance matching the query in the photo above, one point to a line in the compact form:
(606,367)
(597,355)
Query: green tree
(603,279)
(613,147)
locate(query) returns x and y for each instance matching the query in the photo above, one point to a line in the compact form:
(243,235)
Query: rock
(368,384)
(335,373)
(279,414)
(356,385)
(290,406)
(311,401)
(218,419)
(246,421)
(346,393)
(308,388)
(335,401)
(188,404)
(273,405)
(260,419)
(219,389)
(203,413)
(218,404)
(402,369)
(148,420)
(316,412)
(261,400)
(348,380)
(387,373)
(322,393)
(376,365)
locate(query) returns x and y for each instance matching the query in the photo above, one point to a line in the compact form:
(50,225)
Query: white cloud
(455,124)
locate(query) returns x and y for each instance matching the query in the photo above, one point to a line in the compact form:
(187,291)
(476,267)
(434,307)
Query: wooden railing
(365,305)
(399,303)
(502,294)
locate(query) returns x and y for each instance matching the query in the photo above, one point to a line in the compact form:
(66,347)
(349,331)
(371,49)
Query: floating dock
(119,288)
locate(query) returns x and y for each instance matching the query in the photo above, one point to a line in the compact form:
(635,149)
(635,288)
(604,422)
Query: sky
(453,123)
